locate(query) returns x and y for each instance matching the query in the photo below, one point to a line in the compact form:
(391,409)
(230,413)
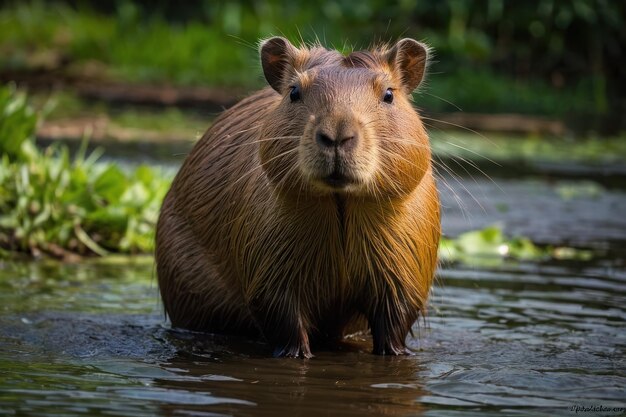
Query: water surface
(502,338)
(518,339)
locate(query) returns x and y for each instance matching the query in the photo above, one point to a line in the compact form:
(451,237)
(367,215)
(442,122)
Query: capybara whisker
(473,152)
(457,126)
(252,143)
(256,168)
(460,202)
(444,100)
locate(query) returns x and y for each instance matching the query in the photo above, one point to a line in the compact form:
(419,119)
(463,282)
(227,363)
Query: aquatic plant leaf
(481,242)
(111,184)
(18,122)
(145,174)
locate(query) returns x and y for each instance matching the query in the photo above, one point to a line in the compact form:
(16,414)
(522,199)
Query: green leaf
(145,174)
(111,184)
(481,242)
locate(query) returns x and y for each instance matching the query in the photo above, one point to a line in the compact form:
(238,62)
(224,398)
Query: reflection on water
(525,339)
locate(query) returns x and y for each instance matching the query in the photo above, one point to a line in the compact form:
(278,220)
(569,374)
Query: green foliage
(556,54)
(123,47)
(482,90)
(53,203)
(578,189)
(18,123)
(490,247)
(489,243)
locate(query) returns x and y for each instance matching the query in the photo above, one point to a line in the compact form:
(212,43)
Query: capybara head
(345,124)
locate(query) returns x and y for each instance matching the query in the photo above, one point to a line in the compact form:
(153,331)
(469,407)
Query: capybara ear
(277,56)
(409,58)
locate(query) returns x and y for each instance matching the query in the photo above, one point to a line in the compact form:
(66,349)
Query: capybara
(308,209)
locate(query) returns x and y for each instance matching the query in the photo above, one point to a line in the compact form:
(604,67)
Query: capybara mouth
(338,180)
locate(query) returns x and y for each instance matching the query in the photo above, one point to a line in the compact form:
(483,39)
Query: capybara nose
(342,140)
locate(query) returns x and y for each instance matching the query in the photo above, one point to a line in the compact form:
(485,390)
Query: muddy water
(534,338)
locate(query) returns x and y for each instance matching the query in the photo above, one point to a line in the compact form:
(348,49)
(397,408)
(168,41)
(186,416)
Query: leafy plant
(57,204)
(18,122)
(490,246)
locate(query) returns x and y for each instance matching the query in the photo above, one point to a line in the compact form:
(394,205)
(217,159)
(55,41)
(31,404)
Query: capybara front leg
(390,323)
(294,343)
(285,329)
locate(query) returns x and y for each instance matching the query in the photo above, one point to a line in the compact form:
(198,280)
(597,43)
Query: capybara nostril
(348,140)
(324,140)
(344,141)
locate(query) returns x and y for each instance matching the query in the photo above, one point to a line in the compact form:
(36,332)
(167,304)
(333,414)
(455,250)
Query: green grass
(53,204)
(483,91)
(125,47)
(131,47)
(168,122)
(187,124)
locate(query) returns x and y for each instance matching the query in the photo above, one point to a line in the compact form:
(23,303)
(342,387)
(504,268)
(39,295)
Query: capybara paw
(392,350)
(293,351)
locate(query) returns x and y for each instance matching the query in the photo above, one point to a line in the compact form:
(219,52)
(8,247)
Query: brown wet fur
(303,221)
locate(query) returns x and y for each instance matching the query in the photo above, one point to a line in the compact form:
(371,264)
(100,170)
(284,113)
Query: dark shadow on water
(195,373)
(332,383)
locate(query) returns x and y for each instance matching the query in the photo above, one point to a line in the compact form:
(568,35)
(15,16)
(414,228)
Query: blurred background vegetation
(557,58)
(544,78)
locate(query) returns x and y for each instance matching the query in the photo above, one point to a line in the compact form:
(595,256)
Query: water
(533,338)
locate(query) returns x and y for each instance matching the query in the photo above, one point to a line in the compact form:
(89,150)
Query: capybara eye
(294,95)
(388,98)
